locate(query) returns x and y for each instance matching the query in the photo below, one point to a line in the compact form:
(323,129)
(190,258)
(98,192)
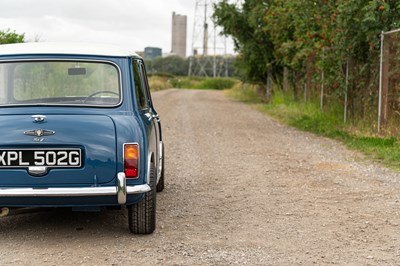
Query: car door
(154,115)
(146,111)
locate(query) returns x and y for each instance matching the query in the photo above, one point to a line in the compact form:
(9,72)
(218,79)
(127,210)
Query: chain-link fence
(348,86)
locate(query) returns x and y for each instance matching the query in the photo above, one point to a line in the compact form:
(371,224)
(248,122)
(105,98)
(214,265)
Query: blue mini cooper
(78,129)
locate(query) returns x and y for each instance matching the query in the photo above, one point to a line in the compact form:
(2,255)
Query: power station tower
(179,25)
(208,46)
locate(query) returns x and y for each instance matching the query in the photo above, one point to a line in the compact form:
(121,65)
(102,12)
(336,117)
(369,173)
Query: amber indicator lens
(131,151)
(131,160)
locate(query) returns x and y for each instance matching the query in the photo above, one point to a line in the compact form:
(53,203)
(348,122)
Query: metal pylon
(207,42)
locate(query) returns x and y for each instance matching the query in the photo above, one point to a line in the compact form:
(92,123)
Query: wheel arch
(150,161)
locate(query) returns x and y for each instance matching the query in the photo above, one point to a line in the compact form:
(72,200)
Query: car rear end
(67,136)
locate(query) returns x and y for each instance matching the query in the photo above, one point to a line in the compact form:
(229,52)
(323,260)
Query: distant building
(179,28)
(151,53)
(140,53)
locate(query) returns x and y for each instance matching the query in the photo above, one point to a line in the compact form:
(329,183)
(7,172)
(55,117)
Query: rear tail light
(131,160)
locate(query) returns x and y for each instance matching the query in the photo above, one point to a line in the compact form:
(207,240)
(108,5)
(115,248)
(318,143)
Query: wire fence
(363,91)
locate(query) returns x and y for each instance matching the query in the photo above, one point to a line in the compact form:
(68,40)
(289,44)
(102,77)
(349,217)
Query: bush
(216,83)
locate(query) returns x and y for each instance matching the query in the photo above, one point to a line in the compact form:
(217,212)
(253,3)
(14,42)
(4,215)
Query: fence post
(268,85)
(380,84)
(384,83)
(285,80)
(345,92)
(322,80)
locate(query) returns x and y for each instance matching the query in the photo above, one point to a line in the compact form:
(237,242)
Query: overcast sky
(134,24)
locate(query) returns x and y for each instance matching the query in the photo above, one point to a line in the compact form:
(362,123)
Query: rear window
(59,83)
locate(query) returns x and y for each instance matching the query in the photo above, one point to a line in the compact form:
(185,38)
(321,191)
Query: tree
(174,65)
(8,36)
(308,37)
(246,26)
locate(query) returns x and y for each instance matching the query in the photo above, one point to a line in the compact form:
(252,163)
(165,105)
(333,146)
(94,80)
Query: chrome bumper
(121,191)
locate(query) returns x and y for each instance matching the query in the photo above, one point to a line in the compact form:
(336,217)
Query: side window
(140,90)
(145,81)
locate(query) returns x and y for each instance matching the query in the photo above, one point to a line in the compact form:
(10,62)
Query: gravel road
(240,189)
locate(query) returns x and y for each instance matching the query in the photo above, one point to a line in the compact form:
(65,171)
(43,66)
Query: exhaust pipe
(4,212)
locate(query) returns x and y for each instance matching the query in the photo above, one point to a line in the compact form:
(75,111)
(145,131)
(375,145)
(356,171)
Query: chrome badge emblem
(39,132)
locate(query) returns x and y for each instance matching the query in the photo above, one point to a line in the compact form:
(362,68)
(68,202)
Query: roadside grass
(161,82)
(158,83)
(308,117)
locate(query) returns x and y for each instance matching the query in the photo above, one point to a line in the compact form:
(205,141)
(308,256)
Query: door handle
(151,116)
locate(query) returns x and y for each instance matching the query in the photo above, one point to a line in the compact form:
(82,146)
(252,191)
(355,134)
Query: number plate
(53,158)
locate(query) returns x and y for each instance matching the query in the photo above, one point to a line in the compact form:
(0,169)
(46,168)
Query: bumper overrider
(121,190)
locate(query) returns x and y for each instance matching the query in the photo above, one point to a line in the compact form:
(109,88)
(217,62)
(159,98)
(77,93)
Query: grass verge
(160,82)
(309,117)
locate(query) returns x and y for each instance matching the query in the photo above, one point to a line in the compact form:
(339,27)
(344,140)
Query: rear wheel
(160,184)
(142,215)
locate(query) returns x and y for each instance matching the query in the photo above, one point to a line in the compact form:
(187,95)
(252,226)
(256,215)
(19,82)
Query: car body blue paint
(99,131)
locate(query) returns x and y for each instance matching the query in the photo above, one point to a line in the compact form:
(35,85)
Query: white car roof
(64,48)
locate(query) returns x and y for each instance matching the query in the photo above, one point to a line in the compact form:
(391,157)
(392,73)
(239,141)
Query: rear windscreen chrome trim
(69,60)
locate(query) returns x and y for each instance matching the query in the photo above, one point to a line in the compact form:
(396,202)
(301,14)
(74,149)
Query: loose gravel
(241,189)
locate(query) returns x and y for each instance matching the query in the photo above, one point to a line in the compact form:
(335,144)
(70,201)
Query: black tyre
(142,215)
(160,184)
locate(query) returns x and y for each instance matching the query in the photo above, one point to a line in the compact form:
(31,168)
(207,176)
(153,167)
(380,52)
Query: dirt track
(241,189)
